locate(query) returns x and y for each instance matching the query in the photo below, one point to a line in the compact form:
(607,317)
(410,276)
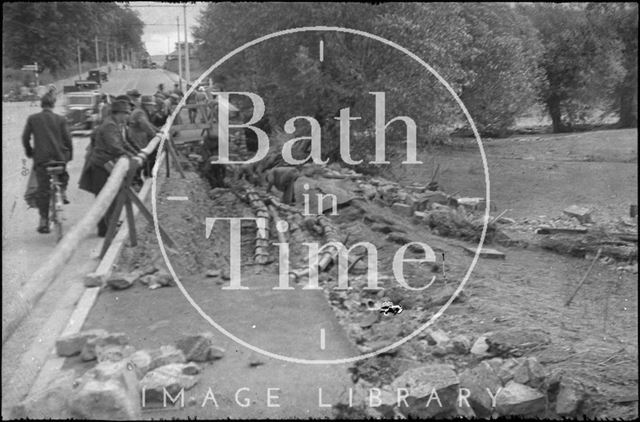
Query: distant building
(171,60)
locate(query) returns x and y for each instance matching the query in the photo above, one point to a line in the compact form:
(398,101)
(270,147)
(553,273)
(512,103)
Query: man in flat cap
(51,142)
(108,146)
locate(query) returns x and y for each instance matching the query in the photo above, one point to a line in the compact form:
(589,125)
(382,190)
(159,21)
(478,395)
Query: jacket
(140,130)
(51,138)
(109,143)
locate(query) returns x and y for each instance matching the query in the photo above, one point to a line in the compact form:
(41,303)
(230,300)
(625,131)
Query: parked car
(82,110)
(154,65)
(97,77)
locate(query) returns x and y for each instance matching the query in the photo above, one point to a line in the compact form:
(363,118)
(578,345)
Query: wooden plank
(553,230)
(486,253)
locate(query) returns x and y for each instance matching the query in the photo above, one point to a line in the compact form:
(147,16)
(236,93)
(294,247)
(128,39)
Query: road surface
(23,249)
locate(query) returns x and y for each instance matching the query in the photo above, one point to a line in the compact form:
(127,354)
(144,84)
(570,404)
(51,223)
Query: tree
(619,22)
(580,66)
(501,61)
(48,33)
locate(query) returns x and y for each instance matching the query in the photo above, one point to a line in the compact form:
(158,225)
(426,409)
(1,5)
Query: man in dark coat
(51,142)
(141,131)
(108,145)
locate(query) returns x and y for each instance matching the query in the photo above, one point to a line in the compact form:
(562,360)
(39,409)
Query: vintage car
(97,76)
(82,110)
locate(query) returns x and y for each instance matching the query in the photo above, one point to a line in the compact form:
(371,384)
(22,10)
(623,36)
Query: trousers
(43,196)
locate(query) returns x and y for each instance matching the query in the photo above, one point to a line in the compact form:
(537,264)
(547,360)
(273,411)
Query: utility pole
(122,54)
(97,57)
(108,63)
(78,53)
(179,55)
(186,48)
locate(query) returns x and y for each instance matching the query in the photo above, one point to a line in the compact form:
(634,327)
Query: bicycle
(54,170)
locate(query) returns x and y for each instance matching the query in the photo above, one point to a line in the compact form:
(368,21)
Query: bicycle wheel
(56,211)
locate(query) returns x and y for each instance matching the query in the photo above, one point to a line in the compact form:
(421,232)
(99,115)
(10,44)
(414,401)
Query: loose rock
(109,391)
(72,344)
(169,378)
(583,215)
(191,369)
(436,337)
(89,351)
(517,399)
(165,355)
(481,347)
(113,353)
(402,209)
(515,341)
(94,280)
(121,281)
(459,344)
(570,397)
(141,360)
(420,383)
(197,348)
(477,380)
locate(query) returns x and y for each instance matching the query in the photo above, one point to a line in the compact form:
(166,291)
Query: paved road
(23,249)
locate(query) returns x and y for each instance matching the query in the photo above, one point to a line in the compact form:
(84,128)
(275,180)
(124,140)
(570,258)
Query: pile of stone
(491,387)
(123,381)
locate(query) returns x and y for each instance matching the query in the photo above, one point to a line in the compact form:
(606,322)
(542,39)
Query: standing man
(108,145)
(141,131)
(51,142)
(161,90)
(177,90)
(191,99)
(202,100)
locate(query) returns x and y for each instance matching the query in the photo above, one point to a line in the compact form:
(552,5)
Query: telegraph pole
(186,48)
(107,52)
(78,54)
(97,57)
(179,55)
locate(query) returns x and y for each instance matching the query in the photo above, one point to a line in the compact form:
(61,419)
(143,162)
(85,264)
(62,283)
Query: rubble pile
(577,233)
(123,381)
(489,381)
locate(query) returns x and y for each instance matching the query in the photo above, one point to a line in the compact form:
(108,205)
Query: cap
(148,99)
(134,93)
(47,101)
(120,106)
(125,98)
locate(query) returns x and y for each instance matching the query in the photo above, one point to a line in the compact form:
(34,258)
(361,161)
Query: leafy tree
(580,66)
(501,63)
(619,22)
(48,32)
(486,52)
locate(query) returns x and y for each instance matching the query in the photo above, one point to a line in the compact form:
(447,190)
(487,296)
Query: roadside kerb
(33,289)
(40,364)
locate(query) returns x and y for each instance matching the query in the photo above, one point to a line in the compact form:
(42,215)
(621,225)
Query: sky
(161,28)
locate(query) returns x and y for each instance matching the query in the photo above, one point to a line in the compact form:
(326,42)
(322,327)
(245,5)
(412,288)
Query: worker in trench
(284,179)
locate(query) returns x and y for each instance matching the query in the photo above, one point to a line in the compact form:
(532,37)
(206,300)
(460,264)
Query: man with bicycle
(51,142)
